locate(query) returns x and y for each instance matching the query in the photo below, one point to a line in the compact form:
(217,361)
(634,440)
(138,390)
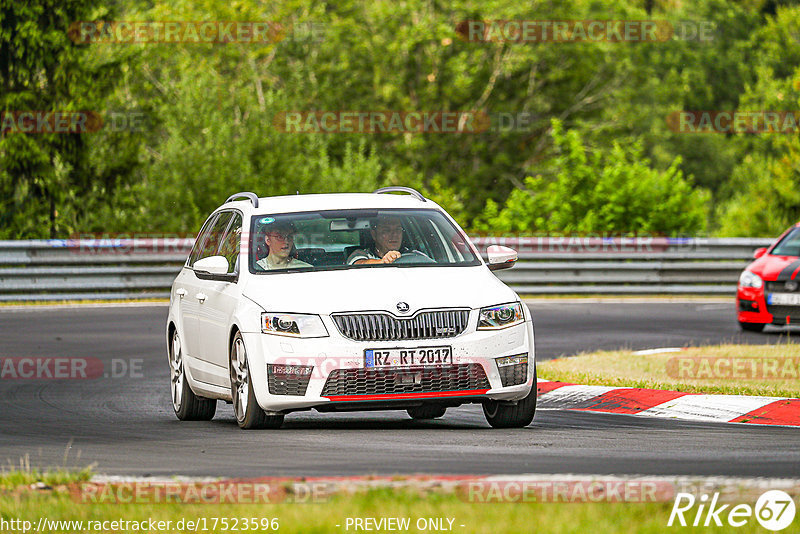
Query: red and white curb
(670,404)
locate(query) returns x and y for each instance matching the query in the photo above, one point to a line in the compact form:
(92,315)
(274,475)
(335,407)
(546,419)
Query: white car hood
(378,288)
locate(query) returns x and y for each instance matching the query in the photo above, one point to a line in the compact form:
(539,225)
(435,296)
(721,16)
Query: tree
(46,179)
(591,191)
(765,186)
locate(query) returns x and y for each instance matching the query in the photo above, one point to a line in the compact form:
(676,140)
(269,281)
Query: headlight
(293,325)
(748,279)
(501,316)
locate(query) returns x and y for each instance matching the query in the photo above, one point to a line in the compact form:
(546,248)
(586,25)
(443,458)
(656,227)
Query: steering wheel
(413,257)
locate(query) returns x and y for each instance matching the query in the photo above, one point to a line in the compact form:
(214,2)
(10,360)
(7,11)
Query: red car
(769,288)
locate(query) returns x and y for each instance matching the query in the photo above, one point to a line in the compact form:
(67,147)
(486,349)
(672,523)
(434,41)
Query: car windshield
(356,239)
(789,245)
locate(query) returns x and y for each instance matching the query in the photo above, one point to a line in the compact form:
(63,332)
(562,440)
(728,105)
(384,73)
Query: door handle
(180,292)
(201,297)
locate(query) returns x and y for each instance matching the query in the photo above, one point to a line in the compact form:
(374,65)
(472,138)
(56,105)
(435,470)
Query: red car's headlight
(748,279)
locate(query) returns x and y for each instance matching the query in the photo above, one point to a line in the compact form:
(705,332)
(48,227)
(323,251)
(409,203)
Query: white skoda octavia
(339,302)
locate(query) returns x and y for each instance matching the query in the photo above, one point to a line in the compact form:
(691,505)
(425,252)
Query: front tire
(752,327)
(424,412)
(187,405)
(503,415)
(249,414)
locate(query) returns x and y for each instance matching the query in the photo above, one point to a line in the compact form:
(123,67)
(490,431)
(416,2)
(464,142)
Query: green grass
(13,476)
(660,371)
(323,517)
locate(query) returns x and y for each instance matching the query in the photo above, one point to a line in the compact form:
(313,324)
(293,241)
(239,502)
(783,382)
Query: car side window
(215,234)
(200,240)
(231,243)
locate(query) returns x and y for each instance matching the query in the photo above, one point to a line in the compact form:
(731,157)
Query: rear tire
(752,327)
(187,405)
(426,411)
(249,414)
(503,415)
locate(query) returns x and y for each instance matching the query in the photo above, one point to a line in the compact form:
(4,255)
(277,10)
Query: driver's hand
(390,256)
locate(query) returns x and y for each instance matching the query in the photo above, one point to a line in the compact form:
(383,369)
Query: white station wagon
(346,302)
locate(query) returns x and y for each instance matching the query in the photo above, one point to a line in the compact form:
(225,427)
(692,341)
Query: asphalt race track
(125,425)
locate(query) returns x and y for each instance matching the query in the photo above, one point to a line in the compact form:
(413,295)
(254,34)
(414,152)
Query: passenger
(387,235)
(280,240)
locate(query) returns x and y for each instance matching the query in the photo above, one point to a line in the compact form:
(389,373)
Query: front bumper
(473,351)
(751,306)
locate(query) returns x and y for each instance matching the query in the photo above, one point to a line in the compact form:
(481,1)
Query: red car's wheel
(752,327)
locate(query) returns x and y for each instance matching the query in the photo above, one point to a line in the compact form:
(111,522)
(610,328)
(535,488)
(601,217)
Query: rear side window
(214,237)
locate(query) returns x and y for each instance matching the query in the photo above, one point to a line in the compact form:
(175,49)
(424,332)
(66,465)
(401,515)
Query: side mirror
(759,252)
(501,257)
(213,268)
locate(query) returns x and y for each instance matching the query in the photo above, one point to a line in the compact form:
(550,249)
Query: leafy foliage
(597,156)
(47,180)
(600,192)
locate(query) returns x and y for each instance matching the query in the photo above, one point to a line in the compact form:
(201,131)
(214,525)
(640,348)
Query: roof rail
(252,196)
(400,189)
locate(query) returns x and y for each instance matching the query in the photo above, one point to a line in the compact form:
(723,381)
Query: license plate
(786,299)
(427,356)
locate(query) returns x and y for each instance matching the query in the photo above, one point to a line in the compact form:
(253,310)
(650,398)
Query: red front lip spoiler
(391,396)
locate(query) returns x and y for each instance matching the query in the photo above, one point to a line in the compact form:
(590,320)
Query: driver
(387,234)
(280,240)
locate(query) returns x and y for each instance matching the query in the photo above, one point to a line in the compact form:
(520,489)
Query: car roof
(332,201)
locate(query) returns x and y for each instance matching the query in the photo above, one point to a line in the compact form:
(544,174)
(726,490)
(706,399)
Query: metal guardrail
(137,268)
(81,269)
(619,266)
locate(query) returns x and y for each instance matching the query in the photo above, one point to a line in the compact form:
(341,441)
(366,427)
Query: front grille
(281,383)
(780,287)
(459,377)
(513,375)
(384,327)
(779,314)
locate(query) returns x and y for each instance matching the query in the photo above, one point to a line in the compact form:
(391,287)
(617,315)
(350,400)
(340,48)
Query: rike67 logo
(774,510)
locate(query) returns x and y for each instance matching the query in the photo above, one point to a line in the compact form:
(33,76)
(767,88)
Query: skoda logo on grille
(791,285)
(402,307)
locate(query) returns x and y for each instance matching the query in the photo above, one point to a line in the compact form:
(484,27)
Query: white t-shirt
(294,263)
